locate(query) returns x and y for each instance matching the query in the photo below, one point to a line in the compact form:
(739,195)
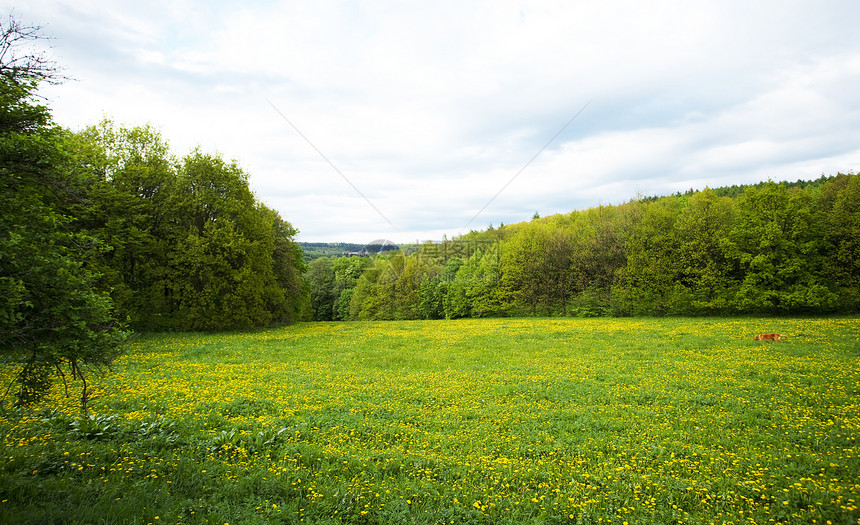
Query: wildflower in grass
(532,416)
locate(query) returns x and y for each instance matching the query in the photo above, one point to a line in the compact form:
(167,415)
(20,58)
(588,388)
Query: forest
(105,230)
(773,248)
(174,243)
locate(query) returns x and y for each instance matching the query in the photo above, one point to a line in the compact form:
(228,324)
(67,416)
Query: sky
(408,121)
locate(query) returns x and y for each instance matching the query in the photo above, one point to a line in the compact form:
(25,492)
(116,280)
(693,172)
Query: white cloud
(431,109)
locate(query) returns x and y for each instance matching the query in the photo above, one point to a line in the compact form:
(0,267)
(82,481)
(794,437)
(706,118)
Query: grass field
(471,421)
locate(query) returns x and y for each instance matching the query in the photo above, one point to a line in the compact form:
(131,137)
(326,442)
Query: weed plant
(470,421)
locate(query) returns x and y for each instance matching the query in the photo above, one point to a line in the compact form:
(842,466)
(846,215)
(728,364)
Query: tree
(558,257)
(777,241)
(456,302)
(486,298)
(520,259)
(191,246)
(599,238)
(223,259)
(706,277)
(647,284)
(53,316)
(843,234)
(536,267)
(347,271)
(128,210)
(288,265)
(18,58)
(321,278)
(433,291)
(372,295)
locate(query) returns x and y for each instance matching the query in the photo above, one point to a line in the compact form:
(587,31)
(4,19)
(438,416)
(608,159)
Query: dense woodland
(770,248)
(106,229)
(191,247)
(177,243)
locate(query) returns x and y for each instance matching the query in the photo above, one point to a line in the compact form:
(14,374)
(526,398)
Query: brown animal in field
(768,337)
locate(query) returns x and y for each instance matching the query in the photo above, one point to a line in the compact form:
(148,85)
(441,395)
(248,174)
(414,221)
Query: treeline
(159,242)
(105,230)
(315,250)
(190,247)
(772,249)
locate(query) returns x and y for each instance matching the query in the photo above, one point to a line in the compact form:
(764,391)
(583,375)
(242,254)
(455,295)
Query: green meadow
(470,421)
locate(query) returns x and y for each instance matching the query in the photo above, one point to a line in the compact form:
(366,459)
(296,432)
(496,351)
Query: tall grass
(476,421)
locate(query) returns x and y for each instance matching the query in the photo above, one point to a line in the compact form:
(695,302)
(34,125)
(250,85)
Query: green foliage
(332,282)
(479,277)
(705,275)
(773,248)
(160,430)
(777,243)
(181,244)
(96,427)
(347,272)
(391,288)
(456,303)
(366,301)
(523,258)
(333,250)
(232,442)
(590,303)
(648,283)
(106,224)
(843,241)
(320,277)
(191,248)
(54,316)
(434,292)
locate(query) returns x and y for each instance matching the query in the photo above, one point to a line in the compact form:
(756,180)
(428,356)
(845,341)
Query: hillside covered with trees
(771,248)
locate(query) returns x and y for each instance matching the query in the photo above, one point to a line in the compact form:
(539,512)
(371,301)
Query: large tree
(843,235)
(778,242)
(321,278)
(53,315)
(130,212)
(706,277)
(647,284)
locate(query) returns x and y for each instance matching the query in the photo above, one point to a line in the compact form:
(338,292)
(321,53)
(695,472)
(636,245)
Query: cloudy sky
(410,120)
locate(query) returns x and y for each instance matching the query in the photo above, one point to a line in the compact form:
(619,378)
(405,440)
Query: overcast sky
(410,120)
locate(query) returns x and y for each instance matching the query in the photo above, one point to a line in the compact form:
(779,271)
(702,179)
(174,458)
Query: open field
(477,421)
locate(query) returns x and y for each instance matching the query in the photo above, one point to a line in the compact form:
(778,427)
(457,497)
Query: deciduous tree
(53,316)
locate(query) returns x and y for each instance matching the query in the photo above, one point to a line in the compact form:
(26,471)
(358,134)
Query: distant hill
(314,250)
